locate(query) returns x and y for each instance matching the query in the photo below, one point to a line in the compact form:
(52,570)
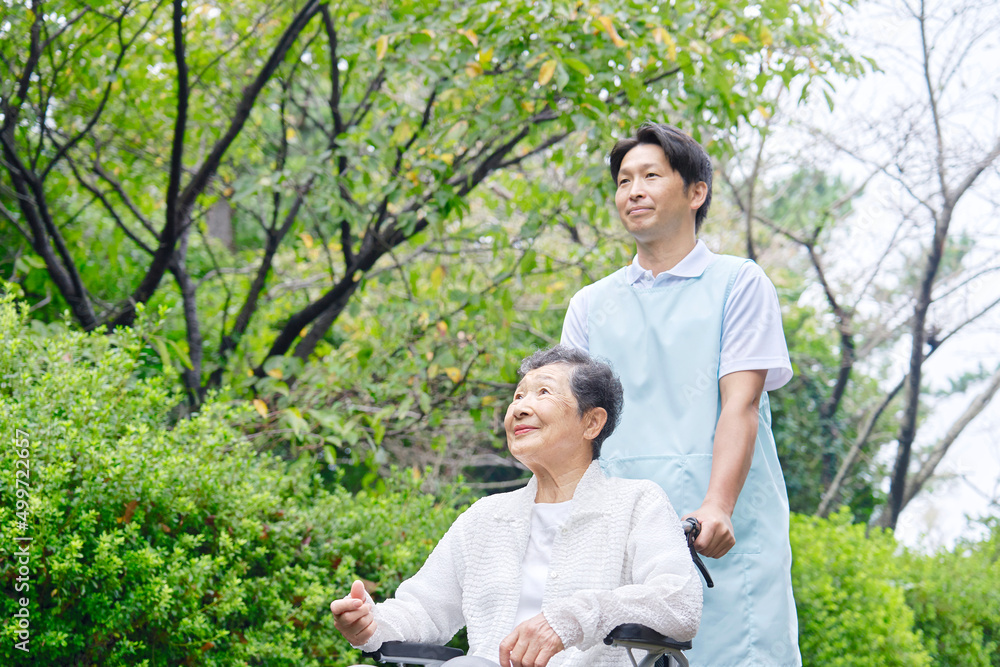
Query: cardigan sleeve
(664,593)
(427,607)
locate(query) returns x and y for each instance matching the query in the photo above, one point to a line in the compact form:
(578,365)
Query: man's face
(651,198)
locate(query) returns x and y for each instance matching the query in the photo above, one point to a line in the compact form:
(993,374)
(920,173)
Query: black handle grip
(692,529)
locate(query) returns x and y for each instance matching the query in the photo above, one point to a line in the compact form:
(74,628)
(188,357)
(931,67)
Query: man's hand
(531,644)
(354,616)
(717,537)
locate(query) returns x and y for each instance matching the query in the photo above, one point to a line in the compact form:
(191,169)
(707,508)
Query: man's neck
(664,254)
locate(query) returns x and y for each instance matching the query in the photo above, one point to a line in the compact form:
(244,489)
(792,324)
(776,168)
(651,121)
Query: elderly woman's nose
(521,407)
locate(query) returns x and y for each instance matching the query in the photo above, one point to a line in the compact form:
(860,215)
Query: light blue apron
(665,342)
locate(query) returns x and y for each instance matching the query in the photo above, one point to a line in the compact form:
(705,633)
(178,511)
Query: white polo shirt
(752,337)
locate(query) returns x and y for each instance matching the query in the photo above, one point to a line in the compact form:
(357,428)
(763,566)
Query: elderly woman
(542,574)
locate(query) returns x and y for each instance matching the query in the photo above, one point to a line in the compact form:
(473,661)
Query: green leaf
(576,64)
(181,354)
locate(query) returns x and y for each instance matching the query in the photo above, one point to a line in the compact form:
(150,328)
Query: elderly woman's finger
(546,647)
(357,626)
(344,605)
(512,649)
(517,653)
(534,643)
(352,618)
(531,653)
(544,655)
(367,629)
(505,647)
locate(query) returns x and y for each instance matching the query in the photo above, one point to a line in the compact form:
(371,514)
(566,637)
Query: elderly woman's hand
(531,644)
(353,616)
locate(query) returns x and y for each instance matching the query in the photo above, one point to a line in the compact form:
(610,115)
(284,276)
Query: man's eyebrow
(644,165)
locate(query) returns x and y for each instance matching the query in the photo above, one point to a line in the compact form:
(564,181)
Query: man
(696,339)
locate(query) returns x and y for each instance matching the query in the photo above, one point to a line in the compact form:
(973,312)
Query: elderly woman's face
(543,423)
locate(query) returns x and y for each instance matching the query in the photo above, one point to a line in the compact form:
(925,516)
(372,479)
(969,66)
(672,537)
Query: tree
(350,126)
(913,278)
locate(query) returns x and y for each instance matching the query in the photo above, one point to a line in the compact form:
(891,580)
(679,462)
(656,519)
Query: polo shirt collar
(692,266)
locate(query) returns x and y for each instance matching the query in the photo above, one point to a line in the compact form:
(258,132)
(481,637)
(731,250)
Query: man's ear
(697,194)
(594,420)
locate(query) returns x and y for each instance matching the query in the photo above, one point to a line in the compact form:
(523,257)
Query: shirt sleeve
(575,331)
(427,607)
(664,594)
(752,336)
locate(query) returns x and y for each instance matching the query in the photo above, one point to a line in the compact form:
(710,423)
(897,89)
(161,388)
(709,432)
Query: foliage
(420,369)
(863,600)
(849,593)
(955,596)
(328,135)
(155,544)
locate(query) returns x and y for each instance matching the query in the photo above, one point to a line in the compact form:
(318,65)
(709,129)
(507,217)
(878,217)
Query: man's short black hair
(593,383)
(684,155)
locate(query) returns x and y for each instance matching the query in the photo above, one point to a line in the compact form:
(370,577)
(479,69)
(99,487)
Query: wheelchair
(660,649)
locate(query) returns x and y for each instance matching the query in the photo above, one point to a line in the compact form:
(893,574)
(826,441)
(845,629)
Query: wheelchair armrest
(413,653)
(633,635)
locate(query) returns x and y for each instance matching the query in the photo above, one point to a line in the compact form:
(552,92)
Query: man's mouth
(639,209)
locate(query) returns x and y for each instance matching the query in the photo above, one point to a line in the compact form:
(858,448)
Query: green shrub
(850,598)
(955,596)
(159,544)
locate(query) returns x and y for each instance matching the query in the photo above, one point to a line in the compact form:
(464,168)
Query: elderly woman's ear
(594,420)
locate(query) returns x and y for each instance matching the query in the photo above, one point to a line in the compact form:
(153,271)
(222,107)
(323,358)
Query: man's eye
(651,175)
(622,182)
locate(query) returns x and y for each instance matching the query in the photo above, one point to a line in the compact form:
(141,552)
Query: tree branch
(274,239)
(34,54)
(925,50)
(365,104)
(192,375)
(120,191)
(978,404)
(179,204)
(548,143)
(975,172)
(94,190)
(335,92)
(44,234)
(123,48)
(833,491)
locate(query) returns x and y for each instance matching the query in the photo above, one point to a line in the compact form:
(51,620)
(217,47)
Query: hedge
(173,544)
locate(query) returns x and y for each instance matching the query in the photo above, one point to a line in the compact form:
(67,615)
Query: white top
(546,520)
(619,558)
(752,337)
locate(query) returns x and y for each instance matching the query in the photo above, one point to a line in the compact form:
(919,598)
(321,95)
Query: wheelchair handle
(692,529)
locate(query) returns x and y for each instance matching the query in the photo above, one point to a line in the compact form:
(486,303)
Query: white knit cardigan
(621,557)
